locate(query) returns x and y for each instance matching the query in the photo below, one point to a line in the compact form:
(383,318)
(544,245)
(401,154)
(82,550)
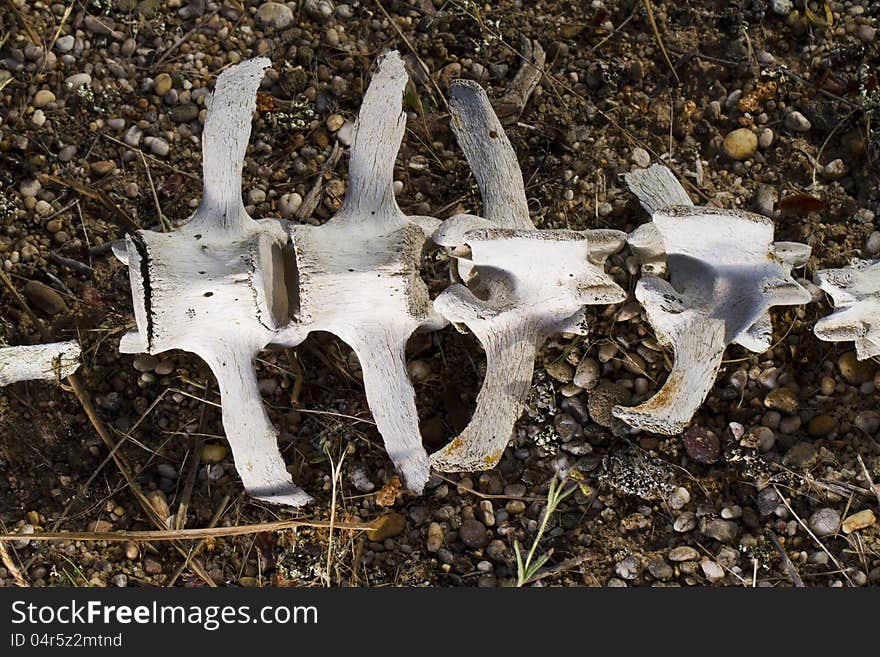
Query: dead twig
(313,198)
(163,220)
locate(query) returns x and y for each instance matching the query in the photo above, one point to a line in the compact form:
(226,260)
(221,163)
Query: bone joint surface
(725,272)
(855,292)
(39,362)
(224,286)
(518,285)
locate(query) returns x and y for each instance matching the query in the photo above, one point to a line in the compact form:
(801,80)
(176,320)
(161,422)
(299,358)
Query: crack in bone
(199,288)
(725,272)
(519,284)
(218,286)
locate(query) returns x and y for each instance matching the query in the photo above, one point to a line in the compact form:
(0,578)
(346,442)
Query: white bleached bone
(359,273)
(725,272)
(519,284)
(45,362)
(215,287)
(855,292)
(224,286)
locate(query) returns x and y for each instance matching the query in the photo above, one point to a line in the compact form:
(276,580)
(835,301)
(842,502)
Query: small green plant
(526,570)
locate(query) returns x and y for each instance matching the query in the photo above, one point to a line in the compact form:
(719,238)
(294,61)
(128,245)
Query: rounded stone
(274,15)
(825,522)
(162,84)
(473,534)
(821,425)
(43,97)
(683,553)
(860,520)
(855,372)
(586,375)
(797,122)
(213,453)
(782,400)
(701,444)
(740,144)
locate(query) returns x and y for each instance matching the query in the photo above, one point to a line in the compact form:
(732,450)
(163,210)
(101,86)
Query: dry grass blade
(786,561)
(812,535)
(21,302)
(64,17)
(6,558)
(868,478)
(124,468)
(188,534)
(23,22)
(183,507)
(415,54)
(163,220)
(198,546)
(649,9)
(98,195)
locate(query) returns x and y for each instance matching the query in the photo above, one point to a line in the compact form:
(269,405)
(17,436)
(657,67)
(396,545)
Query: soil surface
(774,483)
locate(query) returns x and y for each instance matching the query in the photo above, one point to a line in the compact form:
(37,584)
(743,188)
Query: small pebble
(42,98)
(740,144)
(473,534)
(801,455)
(213,452)
(724,531)
(162,84)
(586,375)
(685,522)
(65,43)
(387,526)
(797,122)
(560,370)
(857,521)
(855,372)
(701,444)
(782,400)
(628,568)
(821,425)
(712,570)
(274,15)
(159,147)
(679,498)
(641,158)
(335,122)
(683,553)
(825,522)
(765,138)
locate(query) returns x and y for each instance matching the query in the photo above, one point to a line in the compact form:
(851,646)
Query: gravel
(124,80)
